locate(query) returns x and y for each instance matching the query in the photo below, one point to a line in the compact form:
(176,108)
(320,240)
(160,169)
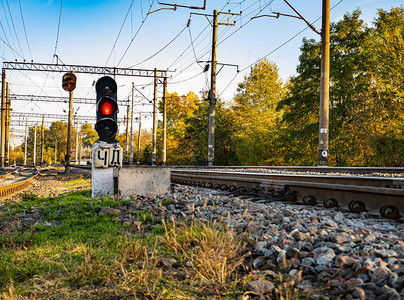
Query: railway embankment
(199,243)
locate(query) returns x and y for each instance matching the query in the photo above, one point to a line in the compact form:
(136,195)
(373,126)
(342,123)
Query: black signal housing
(69,82)
(107,109)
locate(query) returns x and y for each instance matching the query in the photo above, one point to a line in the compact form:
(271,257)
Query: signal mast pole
(69,133)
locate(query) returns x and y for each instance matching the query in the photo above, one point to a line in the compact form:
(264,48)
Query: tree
(179,110)
(255,114)
(88,135)
(196,136)
(366,95)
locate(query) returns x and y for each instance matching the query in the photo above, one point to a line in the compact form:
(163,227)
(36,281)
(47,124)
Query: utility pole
(79,149)
(56,151)
(164,146)
(127,136)
(131,126)
(3,117)
(212,96)
(77,142)
(139,135)
(324,87)
(212,92)
(69,132)
(7,125)
(153,156)
(34,158)
(42,138)
(26,140)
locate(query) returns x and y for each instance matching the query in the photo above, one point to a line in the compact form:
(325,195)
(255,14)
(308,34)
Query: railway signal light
(69,82)
(107,109)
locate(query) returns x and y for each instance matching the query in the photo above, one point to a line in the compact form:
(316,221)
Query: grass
(79,182)
(72,250)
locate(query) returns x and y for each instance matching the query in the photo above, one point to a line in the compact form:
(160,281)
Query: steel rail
(10,173)
(358,193)
(345,170)
(16,186)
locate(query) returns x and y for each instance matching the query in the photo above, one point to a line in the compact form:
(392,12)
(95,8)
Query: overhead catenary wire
(120,31)
(164,47)
(8,24)
(25,30)
(137,32)
(57,34)
(208,51)
(276,49)
(192,44)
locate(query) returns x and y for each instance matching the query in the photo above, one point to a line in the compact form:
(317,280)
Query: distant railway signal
(107,109)
(69,82)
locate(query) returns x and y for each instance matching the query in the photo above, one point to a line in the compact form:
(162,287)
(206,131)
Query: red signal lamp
(107,106)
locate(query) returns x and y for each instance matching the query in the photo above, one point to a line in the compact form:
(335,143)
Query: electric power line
(131,41)
(277,48)
(119,33)
(25,31)
(160,49)
(57,35)
(15,32)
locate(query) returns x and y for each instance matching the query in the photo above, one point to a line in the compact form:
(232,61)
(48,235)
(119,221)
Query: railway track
(19,179)
(375,190)
(375,194)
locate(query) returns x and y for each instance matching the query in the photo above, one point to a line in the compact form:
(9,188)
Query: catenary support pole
(26,142)
(7,125)
(42,138)
(79,149)
(324,87)
(212,96)
(34,157)
(154,150)
(139,136)
(77,143)
(3,117)
(131,126)
(164,146)
(127,135)
(69,133)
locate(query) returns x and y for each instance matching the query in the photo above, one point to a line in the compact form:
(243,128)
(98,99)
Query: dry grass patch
(212,252)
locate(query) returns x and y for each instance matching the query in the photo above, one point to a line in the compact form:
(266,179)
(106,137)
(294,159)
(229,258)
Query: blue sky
(88,35)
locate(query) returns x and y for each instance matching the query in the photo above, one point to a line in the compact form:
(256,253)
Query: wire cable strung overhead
(57,35)
(119,33)
(137,32)
(164,47)
(277,48)
(25,30)
(255,11)
(15,31)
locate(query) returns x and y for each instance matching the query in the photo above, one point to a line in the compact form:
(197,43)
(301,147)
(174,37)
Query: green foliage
(366,95)
(28,196)
(255,114)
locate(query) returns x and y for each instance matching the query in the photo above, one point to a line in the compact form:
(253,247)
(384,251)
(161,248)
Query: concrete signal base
(103,180)
(114,180)
(144,180)
(130,181)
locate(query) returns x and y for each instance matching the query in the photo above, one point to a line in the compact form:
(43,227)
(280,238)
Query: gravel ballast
(337,253)
(354,256)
